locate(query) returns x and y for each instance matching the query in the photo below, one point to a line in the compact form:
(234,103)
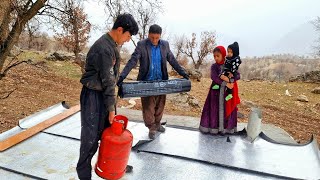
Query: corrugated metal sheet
(176,154)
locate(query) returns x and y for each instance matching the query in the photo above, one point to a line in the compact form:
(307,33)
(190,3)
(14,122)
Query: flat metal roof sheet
(176,154)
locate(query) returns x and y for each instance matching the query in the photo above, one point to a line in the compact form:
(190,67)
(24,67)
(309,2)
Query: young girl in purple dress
(210,114)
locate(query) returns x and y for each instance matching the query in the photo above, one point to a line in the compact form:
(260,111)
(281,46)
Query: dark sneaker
(161,129)
(152,134)
(129,169)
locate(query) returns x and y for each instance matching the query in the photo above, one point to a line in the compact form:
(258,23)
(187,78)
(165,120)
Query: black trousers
(93,121)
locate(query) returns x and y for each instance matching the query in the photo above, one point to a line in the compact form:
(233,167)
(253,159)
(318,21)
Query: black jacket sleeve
(106,62)
(174,63)
(136,55)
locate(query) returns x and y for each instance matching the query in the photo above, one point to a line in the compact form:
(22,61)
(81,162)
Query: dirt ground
(36,89)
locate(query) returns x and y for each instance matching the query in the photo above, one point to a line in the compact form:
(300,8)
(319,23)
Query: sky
(261,27)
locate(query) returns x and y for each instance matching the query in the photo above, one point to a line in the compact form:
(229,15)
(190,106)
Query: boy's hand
(111,116)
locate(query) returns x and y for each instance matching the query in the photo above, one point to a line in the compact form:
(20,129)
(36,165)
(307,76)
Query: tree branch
(29,61)
(14,58)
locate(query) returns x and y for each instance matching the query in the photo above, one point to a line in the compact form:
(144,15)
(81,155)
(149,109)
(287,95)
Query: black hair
(155,29)
(216,50)
(127,22)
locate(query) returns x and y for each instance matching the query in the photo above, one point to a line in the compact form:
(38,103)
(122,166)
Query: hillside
(38,88)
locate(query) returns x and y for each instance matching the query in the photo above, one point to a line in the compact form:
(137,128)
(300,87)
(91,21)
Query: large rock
(316,90)
(312,77)
(180,99)
(194,74)
(59,56)
(303,98)
(193,102)
(184,100)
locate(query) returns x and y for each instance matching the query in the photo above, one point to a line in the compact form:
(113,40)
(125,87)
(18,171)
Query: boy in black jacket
(97,99)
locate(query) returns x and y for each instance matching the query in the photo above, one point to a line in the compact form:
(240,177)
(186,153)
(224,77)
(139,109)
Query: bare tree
(113,8)
(316,24)
(33,27)
(13,18)
(5,18)
(144,11)
(197,52)
(179,43)
(208,42)
(75,29)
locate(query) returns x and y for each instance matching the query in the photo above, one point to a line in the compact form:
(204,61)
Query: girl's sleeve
(215,75)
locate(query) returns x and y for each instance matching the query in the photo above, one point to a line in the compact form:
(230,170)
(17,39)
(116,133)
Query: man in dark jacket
(153,55)
(97,97)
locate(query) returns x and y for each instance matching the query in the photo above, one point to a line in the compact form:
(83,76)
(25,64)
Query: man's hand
(230,85)
(111,116)
(120,81)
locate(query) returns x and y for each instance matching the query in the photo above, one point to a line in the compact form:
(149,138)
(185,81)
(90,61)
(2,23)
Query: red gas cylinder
(114,151)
